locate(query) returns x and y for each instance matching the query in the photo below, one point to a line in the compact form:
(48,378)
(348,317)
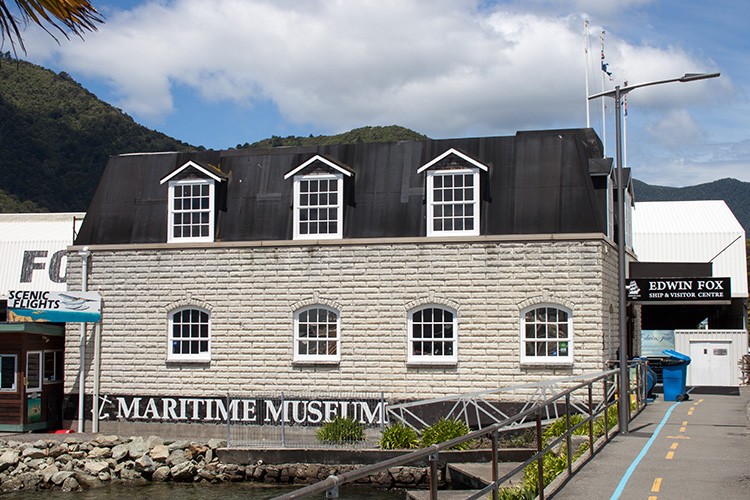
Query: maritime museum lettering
(264,411)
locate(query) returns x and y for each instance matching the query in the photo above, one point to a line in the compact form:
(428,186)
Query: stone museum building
(411,269)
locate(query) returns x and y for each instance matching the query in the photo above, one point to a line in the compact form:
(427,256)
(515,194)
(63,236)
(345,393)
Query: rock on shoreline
(75,464)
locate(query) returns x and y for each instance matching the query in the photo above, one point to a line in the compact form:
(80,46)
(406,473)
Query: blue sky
(223,73)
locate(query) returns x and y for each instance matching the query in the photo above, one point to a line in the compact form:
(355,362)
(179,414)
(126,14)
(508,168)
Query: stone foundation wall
(74,464)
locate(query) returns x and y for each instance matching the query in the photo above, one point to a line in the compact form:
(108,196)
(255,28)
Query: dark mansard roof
(537,182)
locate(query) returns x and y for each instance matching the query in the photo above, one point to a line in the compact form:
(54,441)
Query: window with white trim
(547,334)
(53,366)
(189,335)
(433,335)
(628,211)
(317,334)
(8,372)
(318,206)
(453,202)
(191,210)
(610,208)
(33,371)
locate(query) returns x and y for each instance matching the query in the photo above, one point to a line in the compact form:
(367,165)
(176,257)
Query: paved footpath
(696,449)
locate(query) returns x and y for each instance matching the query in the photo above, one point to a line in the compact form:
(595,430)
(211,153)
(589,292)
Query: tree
(77,16)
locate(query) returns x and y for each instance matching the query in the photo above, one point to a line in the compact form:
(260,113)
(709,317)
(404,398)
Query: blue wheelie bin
(674,375)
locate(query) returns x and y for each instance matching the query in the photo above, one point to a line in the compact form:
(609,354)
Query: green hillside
(55,138)
(391,133)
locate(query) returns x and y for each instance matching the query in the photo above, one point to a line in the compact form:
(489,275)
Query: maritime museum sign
(250,411)
(679,289)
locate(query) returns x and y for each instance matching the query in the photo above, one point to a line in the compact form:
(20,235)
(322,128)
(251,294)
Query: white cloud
(444,67)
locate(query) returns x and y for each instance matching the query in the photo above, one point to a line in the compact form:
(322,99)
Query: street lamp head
(690,77)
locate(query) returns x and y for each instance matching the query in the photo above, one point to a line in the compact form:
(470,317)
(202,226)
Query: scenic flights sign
(679,290)
(54,307)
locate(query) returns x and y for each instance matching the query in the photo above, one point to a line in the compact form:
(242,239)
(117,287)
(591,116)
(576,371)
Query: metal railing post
(433,459)
(568,434)
(495,458)
(591,418)
(606,411)
(540,460)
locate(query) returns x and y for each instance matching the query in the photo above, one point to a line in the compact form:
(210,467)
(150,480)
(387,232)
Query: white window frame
(339,206)
(610,208)
(431,203)
(628,211)
(299,339)
(58,362)
(34,385)
(14,387)
(431,359)
(547,359)
(171,238)
(203,356)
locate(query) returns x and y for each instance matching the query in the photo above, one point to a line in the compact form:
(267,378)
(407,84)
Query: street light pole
(617,93)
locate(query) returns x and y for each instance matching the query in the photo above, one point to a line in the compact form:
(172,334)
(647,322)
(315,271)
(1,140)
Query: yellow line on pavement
(652,497)
(682,429)
(670,455)
(678,437)
(684,422)
(657,484)
(674,446)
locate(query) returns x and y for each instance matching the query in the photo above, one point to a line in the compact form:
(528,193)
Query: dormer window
(319,199)
(453,194)
(192,203)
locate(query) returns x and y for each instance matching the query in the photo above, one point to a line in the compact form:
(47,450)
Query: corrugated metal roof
(35,238)
(692,231)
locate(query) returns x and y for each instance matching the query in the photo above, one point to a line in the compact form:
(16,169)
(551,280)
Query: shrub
(444,430)
(398,437)
(340,431)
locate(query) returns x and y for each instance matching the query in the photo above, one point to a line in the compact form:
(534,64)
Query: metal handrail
(331,484)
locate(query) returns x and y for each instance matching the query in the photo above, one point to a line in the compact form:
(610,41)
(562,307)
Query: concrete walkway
(695,449)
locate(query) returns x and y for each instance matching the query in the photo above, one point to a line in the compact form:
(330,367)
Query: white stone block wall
(252,291)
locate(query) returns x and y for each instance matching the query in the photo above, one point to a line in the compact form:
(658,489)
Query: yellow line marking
(674,446)
(684,422)
(682,429)
(670,455)
(690,411)
(699,401)
(652,497)
(657,484)
(678,437)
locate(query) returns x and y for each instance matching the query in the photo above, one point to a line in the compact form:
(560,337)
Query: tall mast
(586,68)
(604,106)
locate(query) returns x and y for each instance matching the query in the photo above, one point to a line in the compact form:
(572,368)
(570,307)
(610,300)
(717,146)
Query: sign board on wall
(653,342)
(54,307)
(243,410)
(676,290)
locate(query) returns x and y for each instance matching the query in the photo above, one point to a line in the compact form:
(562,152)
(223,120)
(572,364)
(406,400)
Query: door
(33,387)
(710,363)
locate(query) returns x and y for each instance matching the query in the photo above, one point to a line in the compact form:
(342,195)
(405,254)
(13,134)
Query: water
(202,491)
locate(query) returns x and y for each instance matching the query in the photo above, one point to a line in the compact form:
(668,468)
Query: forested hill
(735,193)
(390,133)
(55,138)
